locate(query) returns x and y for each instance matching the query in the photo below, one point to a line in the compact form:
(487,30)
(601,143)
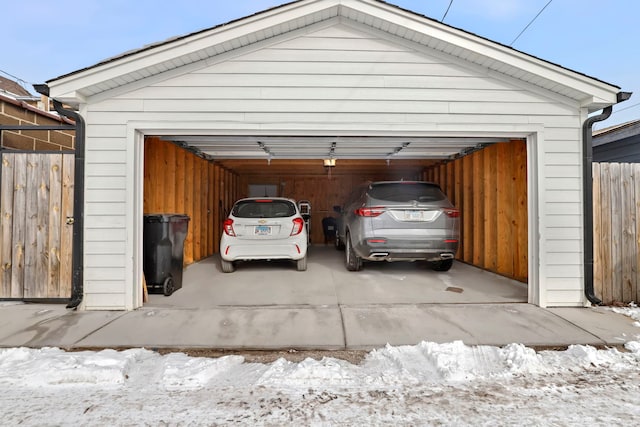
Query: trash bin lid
(165,217)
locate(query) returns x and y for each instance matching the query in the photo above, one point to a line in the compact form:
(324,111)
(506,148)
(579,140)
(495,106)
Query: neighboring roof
(616,133)
(22,104)
(198,46)
(12,87)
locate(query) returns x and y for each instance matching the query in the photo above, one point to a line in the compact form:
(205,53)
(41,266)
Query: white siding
(338,79)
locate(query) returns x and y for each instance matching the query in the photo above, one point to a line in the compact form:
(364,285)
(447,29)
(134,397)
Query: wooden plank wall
(616,246)
(36,243)
(490,189)
(178,181)
(322,191)
(489,186)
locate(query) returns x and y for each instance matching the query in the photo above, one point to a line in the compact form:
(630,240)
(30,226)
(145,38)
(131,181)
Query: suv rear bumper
(432,250)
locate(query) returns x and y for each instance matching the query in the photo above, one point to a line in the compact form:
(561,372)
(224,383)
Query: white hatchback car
(263,229)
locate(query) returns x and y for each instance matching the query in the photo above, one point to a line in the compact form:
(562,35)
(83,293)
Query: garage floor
(327,283)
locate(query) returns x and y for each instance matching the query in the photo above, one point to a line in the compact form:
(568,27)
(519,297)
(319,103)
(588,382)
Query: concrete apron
(268,306)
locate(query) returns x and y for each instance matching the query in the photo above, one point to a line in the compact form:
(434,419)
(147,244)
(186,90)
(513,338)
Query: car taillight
(298,223)
(228,227)
(369,212)
(452,212)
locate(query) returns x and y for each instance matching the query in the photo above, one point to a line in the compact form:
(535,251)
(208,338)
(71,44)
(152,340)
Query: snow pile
(427,383)
(55,367)
(422,364)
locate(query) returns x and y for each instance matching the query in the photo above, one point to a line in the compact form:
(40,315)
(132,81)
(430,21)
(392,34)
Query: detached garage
(261,103)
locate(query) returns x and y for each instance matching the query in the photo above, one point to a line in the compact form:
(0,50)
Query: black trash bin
(329,228)
(163,251)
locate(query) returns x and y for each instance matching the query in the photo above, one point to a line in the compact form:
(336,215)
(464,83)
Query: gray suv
(398,221)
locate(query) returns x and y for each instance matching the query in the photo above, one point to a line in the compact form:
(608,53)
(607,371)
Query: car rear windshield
(406,192)
(264,208)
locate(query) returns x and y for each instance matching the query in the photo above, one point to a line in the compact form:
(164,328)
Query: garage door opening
(485,178)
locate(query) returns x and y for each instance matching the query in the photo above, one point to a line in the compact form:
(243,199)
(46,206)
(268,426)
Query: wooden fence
(35,240)
(616,204)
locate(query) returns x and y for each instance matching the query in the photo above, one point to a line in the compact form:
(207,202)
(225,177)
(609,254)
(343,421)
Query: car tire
(301,264)
(443,265)
(339,245)
(227,266)
(351,260)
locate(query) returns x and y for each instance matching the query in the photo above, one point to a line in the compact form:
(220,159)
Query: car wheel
(352,261)
(167,286)
(444,265)
(301,264)
(339,245)
(227,266)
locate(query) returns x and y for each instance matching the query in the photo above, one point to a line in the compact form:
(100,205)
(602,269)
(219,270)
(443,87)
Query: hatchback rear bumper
(262,251)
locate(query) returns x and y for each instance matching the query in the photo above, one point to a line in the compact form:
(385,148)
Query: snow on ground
(424,384)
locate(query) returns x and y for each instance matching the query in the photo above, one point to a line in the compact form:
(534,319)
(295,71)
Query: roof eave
(591,93)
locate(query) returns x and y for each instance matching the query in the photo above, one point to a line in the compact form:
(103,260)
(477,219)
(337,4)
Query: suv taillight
(228,227)
(452,212)
(369,212)
(298,223)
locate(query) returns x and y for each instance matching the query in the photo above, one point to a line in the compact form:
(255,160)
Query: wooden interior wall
(490,189)
(488,186)
(322,191)
(178,181)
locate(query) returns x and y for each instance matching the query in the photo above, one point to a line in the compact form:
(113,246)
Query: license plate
(413,215)
(262,230)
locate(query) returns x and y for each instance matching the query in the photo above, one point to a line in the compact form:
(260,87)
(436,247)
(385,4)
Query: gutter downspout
(587,185)
(77,279)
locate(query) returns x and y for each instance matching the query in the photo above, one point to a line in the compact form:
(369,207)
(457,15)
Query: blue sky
(43,39)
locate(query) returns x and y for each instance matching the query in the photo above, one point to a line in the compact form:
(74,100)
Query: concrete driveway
(327,282)
(271,306)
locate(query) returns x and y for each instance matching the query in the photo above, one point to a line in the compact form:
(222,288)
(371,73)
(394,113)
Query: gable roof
(378,15)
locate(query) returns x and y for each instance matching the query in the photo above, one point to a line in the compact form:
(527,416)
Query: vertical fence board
(42,226)
(605,208)
(31,233)
(66,232)
(628,234)
(18,232)
(55,196)
(6,209)
(616,231)
(598,279)
(636,208)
